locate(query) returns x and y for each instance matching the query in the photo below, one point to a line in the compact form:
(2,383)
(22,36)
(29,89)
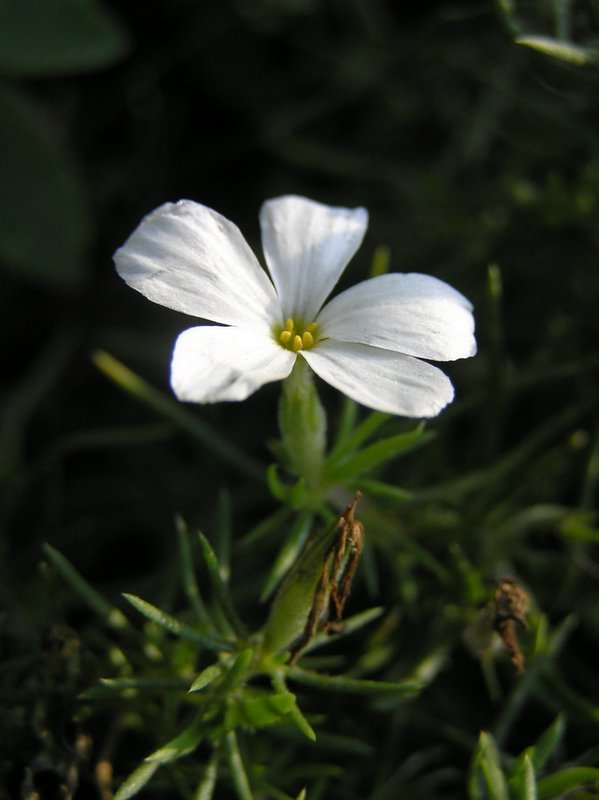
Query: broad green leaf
(136,781)
(49,37)
(183,744)
(175,626)
(557,784)
(44,213)
(339,683)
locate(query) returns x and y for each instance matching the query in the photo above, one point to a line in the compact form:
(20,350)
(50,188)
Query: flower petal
(189,258)
(381,379)
(307,246)
(414,314)
(211,364)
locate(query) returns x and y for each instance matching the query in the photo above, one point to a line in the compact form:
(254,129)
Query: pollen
(295,335)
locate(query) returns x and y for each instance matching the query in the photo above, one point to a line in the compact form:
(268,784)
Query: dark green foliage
(469,130)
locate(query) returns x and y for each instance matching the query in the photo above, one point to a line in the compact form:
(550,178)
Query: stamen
(307,340)
(296,335)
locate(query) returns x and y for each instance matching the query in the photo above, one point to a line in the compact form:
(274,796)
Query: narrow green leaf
(565,51)
(279,490)
(522,782)
(385,490)
(237,670)
(175,626)
(190,584)
(220,589)
(118,686)
(289,552)
(486,771)
(548,741)
(206,677)
(110,614)
(237,769)
(224,532)
(206,786)
(377,454)
(346,422)
(183,744)
(302,794)
(364,431)
(221,447)
(566,780)
(278,519)
(295,714)
(136,781)
(350,625)
(339,683)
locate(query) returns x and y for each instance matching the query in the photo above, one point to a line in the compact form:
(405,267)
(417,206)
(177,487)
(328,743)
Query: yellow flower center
(296,335)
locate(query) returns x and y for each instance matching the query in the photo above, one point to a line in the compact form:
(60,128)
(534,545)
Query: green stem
(303,424)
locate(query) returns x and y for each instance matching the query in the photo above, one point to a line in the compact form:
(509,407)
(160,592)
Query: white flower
(367,342)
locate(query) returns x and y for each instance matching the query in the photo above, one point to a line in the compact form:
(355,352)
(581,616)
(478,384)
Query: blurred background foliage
(470,131)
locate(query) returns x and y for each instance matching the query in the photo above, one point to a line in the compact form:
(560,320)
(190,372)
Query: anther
(285,337)
(297,343)
(307,339)
(289,325)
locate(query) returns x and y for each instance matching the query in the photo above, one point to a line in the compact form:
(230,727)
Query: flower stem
(303,424)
